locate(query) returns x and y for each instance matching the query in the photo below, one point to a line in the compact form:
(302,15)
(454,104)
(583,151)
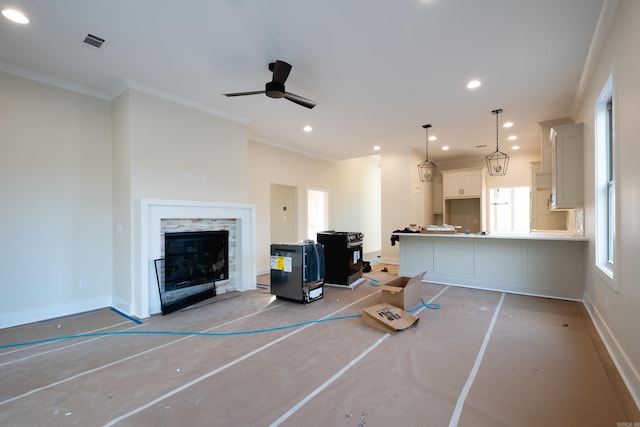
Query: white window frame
(513,208)
(605,177)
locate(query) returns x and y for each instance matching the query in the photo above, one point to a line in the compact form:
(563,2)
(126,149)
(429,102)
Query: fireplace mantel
(145,298)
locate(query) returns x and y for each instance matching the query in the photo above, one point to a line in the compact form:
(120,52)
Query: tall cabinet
(464,198)
(542,217)
(566,167)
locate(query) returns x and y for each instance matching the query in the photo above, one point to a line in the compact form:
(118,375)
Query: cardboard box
(388,318)
(403,292)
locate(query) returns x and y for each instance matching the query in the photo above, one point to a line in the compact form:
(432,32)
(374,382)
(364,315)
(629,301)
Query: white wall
(169,140)
(355,199)
(616,313)
(284,213)
(55,214)
(165,150)
(353,186)
(73,168)
(399,176)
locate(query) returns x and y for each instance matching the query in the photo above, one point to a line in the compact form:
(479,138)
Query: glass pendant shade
(427,169)
(497,161)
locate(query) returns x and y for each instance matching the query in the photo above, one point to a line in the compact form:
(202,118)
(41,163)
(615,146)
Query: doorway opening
(317,212)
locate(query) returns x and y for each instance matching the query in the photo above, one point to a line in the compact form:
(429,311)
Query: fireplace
(157,217)
(193,262)
(195,258)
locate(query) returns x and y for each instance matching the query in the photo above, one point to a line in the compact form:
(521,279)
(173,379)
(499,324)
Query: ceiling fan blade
(280,70)
(300,100)
(244,93)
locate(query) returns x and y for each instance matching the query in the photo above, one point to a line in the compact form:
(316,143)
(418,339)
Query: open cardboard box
(388,318)
(403,292)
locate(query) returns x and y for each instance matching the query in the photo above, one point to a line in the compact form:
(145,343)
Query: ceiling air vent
(94,41)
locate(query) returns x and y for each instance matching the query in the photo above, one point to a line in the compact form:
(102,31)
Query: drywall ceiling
(379,69)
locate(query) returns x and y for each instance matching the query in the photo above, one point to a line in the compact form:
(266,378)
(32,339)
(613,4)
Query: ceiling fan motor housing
(274,90)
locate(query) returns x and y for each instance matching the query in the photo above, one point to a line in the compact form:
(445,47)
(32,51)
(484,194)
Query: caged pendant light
(427,169)
(497,161)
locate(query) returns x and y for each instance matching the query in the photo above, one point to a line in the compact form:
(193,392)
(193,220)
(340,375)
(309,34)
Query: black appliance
(297,271)
(343,256)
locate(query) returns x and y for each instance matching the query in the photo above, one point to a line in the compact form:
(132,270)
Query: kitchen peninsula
(537,263)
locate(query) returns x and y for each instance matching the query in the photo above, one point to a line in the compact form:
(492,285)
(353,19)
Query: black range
(343,256)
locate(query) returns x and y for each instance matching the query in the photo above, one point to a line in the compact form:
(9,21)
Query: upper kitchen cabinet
(463,198)
(462,183)
(566,167)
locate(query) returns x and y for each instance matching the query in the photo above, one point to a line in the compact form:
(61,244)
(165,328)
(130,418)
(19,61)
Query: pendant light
(427,169)
(497,161)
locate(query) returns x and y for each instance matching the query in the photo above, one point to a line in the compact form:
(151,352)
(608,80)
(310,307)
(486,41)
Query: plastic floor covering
(247,359)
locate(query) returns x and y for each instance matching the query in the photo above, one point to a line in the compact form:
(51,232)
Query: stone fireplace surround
(152,214)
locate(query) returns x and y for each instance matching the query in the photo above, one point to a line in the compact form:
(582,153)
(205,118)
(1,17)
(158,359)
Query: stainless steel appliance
(343,256)
(297,271)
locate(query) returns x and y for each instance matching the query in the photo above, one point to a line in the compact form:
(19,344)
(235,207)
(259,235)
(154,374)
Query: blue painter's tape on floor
(133,319)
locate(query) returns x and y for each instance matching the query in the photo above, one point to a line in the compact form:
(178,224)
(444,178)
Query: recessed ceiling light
(474,84)
(512,138)
(376,148)
(515,147)
(445,147)
(307,128)
(433,138)
(15,16)
(507,124)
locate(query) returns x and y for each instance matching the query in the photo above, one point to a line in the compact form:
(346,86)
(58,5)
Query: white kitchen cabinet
(542,217)
(567,180)
(462,183)
(463,198)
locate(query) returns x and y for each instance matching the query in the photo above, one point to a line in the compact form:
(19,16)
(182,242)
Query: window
(605,180)
(510,209)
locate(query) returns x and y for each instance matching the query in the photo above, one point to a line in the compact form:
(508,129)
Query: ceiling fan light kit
(497,161)
(427,169)
(276,89)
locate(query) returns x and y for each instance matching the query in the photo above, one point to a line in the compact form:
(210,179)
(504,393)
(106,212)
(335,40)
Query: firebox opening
(193,263)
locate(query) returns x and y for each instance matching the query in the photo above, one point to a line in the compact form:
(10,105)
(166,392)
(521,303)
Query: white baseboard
(121,305)
(263,270)
(628,372)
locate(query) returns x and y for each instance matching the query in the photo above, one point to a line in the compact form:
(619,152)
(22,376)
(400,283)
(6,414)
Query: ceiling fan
(275,88)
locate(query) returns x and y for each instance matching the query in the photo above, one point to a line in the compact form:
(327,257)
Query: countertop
(533,235)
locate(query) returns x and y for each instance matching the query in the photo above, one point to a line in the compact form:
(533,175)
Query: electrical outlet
(83,284)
